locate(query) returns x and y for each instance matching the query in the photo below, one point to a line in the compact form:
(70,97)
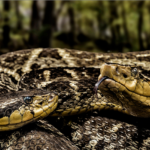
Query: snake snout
(51,97)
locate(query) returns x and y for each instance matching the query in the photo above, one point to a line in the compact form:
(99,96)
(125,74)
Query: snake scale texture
(57,85)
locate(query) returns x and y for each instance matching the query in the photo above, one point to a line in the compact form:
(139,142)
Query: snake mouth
(32,108)
(98,83)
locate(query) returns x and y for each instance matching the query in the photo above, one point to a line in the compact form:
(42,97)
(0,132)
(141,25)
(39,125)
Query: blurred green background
(98,26)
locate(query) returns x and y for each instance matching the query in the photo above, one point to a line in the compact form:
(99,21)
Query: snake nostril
(117,69)
(40,103)
(125,76)
(8,112)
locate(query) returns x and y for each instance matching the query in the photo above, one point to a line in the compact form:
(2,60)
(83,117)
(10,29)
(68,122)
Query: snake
(41,82)
(22,107)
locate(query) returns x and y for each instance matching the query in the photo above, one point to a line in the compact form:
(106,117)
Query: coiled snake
(59,82)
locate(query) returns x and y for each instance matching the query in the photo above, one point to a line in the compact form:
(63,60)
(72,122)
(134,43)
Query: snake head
(125,86)
(22,107)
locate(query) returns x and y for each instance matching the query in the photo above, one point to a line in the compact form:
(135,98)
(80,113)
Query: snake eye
(134,72)
(28,99)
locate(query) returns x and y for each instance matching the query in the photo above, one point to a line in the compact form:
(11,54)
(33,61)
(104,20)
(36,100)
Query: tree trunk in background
(34,25)
(116,43)
(140,24)
(148,36)
(102,42)
(127,37)
(72,27)
(6,27)
(101,23)
(57,13)
(46,33)
(19,20)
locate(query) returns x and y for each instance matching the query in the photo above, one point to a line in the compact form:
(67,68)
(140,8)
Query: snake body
(71,76)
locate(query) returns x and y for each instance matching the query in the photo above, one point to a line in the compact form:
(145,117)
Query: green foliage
(97,25)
